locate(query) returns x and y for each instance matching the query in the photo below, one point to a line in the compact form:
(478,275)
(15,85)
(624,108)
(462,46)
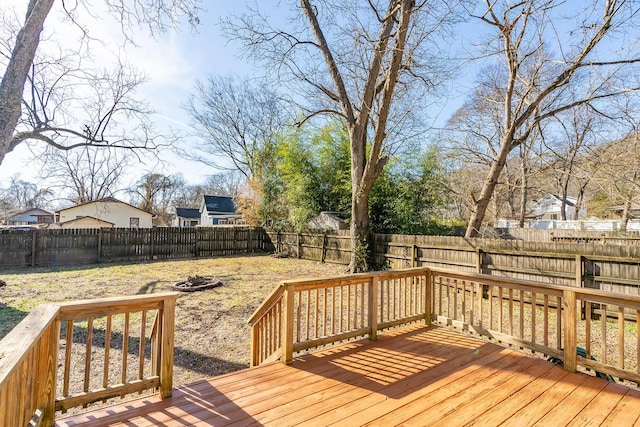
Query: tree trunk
(626,213)
(15,76)
(490,182)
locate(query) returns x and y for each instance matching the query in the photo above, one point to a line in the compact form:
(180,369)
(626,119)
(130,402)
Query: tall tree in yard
(546,50)
(52,83)
(357,61)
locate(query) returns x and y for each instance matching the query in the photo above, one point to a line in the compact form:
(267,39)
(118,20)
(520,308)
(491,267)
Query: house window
(134,222)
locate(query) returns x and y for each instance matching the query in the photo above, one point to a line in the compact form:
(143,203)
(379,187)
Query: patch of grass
(211,333)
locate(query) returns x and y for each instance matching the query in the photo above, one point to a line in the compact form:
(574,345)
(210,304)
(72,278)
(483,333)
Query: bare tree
(538,76)
(86,174)
(354,60)
(28,119)
(21,195)
(237,120)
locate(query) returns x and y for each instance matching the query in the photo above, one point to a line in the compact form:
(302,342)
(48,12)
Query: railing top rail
(103,306)
(275,295)
(15,346)
(352,278)
(607,297)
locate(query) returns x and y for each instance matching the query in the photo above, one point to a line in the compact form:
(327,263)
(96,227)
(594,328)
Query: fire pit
(197,283)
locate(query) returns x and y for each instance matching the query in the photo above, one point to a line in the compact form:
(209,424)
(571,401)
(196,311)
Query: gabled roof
(44,212)
(544,204)
(219,204)
(85,218)
(105,200)
(189,213)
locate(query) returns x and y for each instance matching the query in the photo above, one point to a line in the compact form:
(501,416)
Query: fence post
(152,243)
(324,246)
(570,328)
(34,247)
(249,249)
(287,333)
(479,261)
(579,271)
(413,255)
(298,242)
(99,244)
(374,285)
(166,352)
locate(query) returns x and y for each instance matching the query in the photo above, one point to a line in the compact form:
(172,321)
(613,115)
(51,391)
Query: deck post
(428,298)
(373,307)
(287,332)
(166,352)
(570,328)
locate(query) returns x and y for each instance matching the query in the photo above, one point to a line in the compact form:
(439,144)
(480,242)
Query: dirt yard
(212,335)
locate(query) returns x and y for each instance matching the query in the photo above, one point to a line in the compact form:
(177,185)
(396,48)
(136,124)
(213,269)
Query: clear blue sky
(172,62)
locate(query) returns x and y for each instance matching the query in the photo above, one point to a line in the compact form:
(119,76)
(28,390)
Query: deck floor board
(412,376)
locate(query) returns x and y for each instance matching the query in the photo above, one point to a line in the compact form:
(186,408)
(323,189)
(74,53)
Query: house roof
(26,211)
(546,203)
(88,217)
(189,213)
(219,204)
(104,200)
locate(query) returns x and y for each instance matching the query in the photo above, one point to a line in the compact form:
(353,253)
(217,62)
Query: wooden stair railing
(303,314)
(99,340)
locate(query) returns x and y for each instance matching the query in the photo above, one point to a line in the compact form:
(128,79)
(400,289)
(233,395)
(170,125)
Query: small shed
(186,217)
(329,221)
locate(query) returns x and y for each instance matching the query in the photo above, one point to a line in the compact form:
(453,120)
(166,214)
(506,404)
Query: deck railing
(304,314)
(95,341)
(566,323)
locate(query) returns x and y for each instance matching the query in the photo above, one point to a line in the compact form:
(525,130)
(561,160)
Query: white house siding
(119,214)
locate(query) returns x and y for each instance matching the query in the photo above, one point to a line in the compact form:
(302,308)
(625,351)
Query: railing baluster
(620,337)
(308,314)
(521,314)
(125,348)
(534,309)
(324,312)
(500,307)
(559,322)
(491,307)
(511,311)
(67,359)
(143,331)
(587,328)
(603,331)
(107,352)
(546,320)
(315,317)
(87,357)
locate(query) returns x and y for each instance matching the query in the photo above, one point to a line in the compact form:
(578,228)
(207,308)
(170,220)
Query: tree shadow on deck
(401,362)
(196,403)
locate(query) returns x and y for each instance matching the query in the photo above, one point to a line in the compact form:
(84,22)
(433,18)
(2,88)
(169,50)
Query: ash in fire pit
(197,283)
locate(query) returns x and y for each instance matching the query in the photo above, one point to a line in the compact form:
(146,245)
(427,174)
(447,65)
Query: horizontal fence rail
(588,329)
(116,346)
(614,268)
(24,248)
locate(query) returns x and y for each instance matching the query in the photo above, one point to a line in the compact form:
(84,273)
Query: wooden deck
(420,375)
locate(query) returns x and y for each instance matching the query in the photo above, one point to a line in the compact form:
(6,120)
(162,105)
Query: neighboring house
(217,210)
(548,208)
(31,217)
(328,221)
(110,209)
(83,222)
(186,217)
(617,211)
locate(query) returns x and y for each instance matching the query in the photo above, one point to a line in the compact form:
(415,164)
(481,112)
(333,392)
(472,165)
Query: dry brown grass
(212,336)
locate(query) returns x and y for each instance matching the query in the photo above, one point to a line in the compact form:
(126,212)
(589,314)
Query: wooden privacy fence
(614,268)
(540,317)
(124,345)
(22,248)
